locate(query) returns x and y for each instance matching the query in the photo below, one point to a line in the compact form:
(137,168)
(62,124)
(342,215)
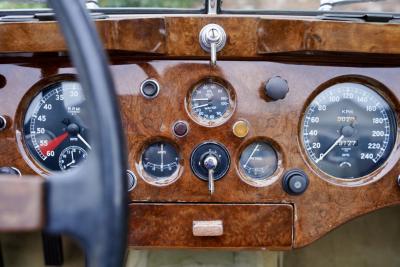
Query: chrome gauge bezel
(150,179)
(267,181)
(206,122)
(393,156)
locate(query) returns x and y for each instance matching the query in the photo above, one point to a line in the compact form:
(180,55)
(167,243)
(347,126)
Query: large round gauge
(348,130)
(258,160)
(55,127)
(160,163)
(211,103)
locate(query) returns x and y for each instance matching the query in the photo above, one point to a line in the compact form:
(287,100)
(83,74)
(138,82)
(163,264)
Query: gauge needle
(251,156)
(330,149)
(200,106)
(200,99)
(162,152)
(54,143)
(73,160)
(84,141)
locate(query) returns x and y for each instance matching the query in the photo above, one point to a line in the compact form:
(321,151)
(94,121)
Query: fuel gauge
(160,163)
(258,161)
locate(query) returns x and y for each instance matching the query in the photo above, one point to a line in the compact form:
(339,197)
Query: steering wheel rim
(90,204)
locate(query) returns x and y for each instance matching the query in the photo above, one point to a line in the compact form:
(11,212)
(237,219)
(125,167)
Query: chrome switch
(212,39)
(210,163)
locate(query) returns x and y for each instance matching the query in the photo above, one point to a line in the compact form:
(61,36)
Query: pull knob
(276,88)
(212,39)
(295,182)
(210,163)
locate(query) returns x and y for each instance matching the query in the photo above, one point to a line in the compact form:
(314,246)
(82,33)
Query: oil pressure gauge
(211,102)
(257,163)
(160,163)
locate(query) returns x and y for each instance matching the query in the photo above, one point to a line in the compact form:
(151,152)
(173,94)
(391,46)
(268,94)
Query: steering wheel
(89,203)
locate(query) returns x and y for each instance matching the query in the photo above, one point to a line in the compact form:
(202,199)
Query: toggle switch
(212,39)
(210,163)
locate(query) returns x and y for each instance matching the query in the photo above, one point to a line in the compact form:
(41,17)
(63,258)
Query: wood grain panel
(248,36)
(134,35)
(326,36)
(21,203)
(322,208)
(245,226)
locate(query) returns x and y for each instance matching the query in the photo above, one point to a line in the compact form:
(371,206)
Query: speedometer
(348,130)
(55,127)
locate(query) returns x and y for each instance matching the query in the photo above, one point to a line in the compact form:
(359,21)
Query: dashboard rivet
(240,128)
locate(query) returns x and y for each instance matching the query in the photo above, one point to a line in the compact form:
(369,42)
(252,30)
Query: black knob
(150,88)
(9,171)
(295,182)
(276,88)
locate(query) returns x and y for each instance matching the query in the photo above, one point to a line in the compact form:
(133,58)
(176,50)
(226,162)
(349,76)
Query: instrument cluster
(347,132)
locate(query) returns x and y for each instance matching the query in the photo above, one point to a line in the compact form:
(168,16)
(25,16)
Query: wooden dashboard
(309,54)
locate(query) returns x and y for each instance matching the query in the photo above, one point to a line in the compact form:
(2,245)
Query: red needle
(53,144)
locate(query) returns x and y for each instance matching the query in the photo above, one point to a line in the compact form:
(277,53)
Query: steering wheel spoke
(90,202)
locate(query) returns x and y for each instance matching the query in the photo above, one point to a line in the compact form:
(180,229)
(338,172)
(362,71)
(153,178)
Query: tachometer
(55,129)
(348,130)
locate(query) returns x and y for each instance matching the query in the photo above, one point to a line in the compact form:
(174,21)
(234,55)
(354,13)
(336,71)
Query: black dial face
(71,156)
(210,102)
(160,162)
(258,160)
(201,152)
(348,130)
(55,127)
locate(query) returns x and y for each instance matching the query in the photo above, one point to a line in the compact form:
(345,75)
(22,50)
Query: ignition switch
(210,162)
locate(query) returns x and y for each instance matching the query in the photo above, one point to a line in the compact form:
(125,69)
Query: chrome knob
(212,39)
(210,163)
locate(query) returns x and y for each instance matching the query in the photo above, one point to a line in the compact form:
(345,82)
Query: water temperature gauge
(258,162)
(160,163)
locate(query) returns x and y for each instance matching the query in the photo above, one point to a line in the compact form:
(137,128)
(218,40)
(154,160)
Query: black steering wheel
(90,204)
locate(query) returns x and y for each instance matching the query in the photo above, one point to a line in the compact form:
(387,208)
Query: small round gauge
(211,103)
(55,121)
(258,160)
(71,156)
(348,130)
(160,162)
